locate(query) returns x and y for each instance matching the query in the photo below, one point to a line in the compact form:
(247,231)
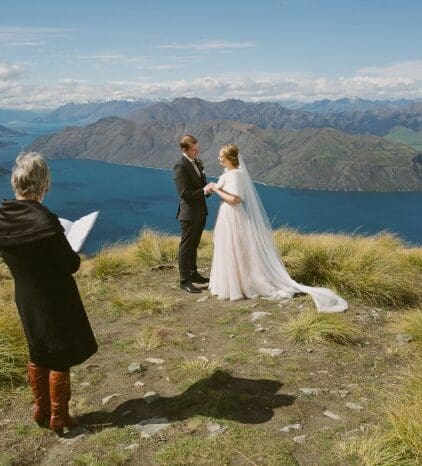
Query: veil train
(325,300)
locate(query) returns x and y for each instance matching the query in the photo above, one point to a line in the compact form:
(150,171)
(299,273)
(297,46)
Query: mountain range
(7,132)
(8,116)
(86,113)
(356,116)
(354,104)
(406,136)
(274,115)
(310,158)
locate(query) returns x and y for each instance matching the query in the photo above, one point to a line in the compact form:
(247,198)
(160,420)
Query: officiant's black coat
(33,245)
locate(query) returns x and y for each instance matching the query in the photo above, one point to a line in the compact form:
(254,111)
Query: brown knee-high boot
(60,396)
(38,380)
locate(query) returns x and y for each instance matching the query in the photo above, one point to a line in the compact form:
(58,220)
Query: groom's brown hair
(186,141)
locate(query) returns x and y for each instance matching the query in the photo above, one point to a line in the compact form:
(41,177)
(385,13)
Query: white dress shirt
(192,161)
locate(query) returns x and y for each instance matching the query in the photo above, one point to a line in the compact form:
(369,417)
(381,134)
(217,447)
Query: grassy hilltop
(253,382)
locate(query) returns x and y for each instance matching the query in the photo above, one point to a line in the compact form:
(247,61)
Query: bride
(245,261)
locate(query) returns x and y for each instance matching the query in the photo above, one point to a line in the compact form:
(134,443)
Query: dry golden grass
(112,262)
(404,411)
(414,256)
(410,323)
(149,338)
(374,449)
(376,270)
(13,352)
(188,372)
(153,248)
(206,246)
(312,326)
(142,303)
(399,440)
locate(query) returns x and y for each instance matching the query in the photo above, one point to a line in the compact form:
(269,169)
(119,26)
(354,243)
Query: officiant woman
(34,247)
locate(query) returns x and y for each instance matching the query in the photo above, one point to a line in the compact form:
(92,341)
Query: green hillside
(407,136)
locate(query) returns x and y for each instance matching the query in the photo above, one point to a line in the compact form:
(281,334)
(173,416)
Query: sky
(54,52)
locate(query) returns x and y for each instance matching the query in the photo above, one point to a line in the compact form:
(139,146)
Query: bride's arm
(225,196)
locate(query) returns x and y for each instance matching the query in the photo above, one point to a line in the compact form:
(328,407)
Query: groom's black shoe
(190,287)
(197,278)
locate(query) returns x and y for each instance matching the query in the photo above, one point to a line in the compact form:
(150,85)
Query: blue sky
(52,52)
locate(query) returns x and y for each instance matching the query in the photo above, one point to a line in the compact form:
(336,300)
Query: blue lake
(131,198)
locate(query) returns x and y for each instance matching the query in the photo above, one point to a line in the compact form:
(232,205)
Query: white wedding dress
(245,261)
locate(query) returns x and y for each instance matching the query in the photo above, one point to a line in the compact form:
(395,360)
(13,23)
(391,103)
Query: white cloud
(8,72)
(30,36)
(27,44)
(162,67)
(140,62)
(208,45)
(407,69)
(377,83)
(71,81)
(103,57)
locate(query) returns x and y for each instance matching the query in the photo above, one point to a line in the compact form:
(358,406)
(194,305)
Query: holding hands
(210,188)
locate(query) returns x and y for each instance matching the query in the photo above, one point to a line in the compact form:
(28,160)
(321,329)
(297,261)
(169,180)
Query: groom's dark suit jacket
(190,186)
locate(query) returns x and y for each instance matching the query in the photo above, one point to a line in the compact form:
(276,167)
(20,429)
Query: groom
(192,187)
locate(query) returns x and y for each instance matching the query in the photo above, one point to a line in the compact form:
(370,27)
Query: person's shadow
(220,396)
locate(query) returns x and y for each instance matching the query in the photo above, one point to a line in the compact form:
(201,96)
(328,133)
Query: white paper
(78,231)
(66,224)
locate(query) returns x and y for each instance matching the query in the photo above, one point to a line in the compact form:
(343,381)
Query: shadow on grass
(220,396)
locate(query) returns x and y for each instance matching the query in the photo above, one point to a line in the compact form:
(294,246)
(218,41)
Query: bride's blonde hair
(231,153)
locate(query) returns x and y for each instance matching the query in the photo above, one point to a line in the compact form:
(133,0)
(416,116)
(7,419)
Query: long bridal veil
(325,299)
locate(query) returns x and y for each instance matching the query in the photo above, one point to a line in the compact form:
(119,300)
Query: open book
(78,231)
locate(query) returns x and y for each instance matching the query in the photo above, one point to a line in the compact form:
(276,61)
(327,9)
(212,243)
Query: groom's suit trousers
(189,242)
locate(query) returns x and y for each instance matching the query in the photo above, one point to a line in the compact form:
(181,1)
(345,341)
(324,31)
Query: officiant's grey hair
(30,175)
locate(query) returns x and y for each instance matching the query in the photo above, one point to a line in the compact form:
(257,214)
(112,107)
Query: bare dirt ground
(225,399)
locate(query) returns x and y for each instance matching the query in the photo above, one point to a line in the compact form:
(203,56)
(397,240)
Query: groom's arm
(181,179)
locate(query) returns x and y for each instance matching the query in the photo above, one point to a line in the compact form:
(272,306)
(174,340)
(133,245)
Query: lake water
(132,198)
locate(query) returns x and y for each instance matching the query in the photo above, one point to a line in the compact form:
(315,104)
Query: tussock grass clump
(111,263)
(410,323)
(13,352)
(288,241)
(414,257)
(404,412)
(206,246)
(149,338)
(376,270)
(150,302)
(399,440)
(13,349)
(140,304)
(320,327)
(189,372)
(155,248)
(375,449)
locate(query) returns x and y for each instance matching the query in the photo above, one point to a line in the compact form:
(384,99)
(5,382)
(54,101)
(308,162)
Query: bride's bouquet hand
(212,187)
